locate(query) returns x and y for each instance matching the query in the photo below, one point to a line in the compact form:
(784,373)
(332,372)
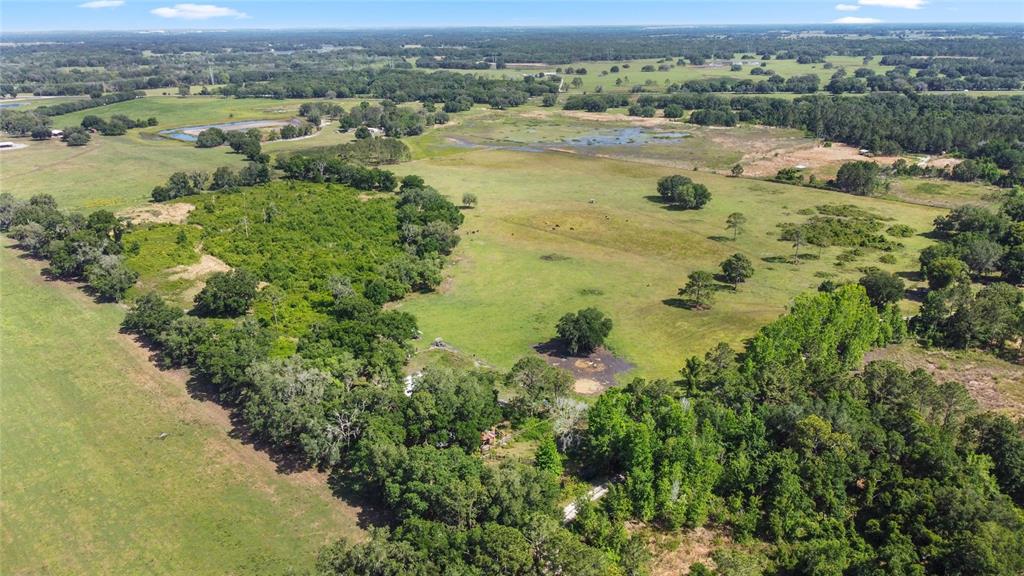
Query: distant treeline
(882,123)
(84,104)
(389,84)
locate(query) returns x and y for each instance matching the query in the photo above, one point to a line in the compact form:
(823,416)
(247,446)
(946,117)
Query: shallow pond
(190,133)
(633,136)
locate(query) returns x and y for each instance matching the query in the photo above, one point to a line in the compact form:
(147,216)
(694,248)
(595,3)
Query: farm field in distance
(634,75)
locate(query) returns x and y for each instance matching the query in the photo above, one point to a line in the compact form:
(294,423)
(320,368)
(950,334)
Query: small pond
(190,133)
(633,136)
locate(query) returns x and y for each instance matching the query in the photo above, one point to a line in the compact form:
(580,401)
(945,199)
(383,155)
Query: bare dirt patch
(943,162)
(207,265)
(767,162)
(673,554)
(632,120)
(176,213)
(594,373)
(995,384)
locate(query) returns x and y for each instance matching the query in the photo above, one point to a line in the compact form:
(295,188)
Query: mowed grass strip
(89,486)
(556,232)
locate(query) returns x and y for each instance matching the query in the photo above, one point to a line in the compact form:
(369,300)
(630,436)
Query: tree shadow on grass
(47,273)
(684,303)
(913,276)
(372,512)
(779,260)
(554,347)
(719,238)
(723,283)
(666,205)
(916,294)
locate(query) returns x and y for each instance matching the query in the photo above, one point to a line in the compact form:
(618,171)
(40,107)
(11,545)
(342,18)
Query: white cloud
(855,20)
(197,12)
(908,4)
(847,7)
(102,4)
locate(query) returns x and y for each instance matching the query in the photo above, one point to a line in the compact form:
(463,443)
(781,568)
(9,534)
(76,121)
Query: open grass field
(89,486)
(555,232)
(633,75)
(659,79)
(942,192)
(110,172)
(174,111)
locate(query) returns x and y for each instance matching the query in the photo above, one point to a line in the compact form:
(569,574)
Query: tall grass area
(556,232)
(110,467)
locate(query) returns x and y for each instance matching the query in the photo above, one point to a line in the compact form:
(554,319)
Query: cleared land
(994,383)
(111,467)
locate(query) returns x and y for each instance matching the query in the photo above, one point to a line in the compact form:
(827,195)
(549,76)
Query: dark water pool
(605,138)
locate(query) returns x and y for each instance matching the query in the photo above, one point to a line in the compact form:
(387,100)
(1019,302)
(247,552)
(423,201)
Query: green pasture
(111,467)
(633,75)
(555,232)
(174,111)
(940,192)
(115,172)
(110,172)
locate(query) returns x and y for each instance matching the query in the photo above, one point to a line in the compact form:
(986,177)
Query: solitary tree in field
(683,192)
(184,90)
(798,241)
(737,268)
(737,170)
(700,288)
(583,331)
(469,200)
(735,222)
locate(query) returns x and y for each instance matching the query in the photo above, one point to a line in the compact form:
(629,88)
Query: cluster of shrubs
(247,143)
(330,168)
(975,241)
(182,184)
(397,121)
(116,125)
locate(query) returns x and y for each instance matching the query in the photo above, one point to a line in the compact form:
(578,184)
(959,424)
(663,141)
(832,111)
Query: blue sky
(35,15)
